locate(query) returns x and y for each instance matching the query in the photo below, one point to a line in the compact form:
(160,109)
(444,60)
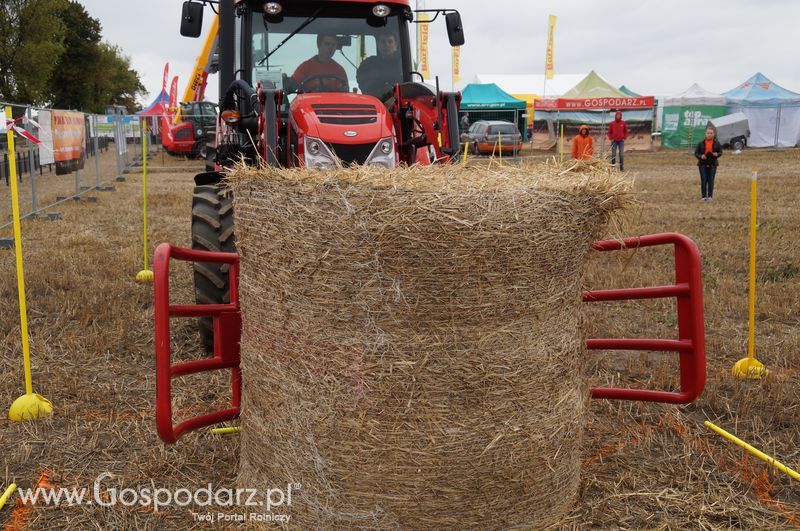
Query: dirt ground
(645,465)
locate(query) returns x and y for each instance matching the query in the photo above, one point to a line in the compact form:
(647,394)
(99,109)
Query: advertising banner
(69,141)
(548,68)
(456,64)
(173,93)
(422,43)
(682,127)
(619,103)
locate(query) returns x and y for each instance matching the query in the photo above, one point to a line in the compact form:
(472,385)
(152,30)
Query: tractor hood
(341,118)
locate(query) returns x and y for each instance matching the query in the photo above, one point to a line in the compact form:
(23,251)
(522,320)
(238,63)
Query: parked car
(488,136)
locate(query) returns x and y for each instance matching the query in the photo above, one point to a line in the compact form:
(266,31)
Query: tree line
(52,54)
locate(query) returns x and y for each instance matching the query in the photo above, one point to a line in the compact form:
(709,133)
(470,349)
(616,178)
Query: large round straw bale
(411,347)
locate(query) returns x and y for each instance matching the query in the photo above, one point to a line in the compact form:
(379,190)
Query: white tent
(694,95)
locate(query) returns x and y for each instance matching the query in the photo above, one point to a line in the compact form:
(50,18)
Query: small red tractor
(324,119)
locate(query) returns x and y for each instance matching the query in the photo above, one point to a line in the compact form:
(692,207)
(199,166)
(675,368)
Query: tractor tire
(738,144)
(212,230)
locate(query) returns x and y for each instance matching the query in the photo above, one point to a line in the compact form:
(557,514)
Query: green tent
(686,115)
(628,91)
(490,102)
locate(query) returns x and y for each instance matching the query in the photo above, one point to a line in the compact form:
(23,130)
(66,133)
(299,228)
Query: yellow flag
(548,70)
(422,44)
(456,64)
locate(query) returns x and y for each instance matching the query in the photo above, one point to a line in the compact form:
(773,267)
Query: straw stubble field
(643,465)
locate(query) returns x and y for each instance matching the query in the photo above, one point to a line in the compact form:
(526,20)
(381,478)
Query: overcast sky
(655,47)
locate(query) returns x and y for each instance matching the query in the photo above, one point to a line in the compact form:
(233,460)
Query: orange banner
(422,44)
(69,133)
(548,68)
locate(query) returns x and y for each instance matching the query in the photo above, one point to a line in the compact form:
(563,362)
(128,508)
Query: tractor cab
(329,83)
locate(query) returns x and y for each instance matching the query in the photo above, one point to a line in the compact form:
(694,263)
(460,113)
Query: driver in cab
(321,73)
(378,74)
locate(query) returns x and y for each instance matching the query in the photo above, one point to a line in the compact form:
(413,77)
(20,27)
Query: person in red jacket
(617,133)
(321,73)
(582,147)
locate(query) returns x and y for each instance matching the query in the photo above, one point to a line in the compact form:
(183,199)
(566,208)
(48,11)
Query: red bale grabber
(690,344)
(227,330)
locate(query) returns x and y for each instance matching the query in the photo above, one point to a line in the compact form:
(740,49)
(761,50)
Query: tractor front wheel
(212,230)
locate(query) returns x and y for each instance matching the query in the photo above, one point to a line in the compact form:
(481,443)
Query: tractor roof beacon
(269,115)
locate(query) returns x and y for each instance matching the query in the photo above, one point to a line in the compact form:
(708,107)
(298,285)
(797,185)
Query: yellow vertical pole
(751,343)
(145,275)
(750,367)
(500,142)
(29,406)
(466,148)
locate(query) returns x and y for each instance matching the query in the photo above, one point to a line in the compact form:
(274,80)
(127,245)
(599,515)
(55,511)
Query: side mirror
(192,19)
(455,30)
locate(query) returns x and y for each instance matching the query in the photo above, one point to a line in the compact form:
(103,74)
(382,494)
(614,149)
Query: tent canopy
(159,106)
(694,95)
(759,90)
(595,93)
(594,86)
(488,96)
(628,91)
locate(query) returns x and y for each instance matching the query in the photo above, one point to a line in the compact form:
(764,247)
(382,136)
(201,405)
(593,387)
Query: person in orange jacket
(582,147)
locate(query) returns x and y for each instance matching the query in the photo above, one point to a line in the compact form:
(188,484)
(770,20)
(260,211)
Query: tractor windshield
(329,50)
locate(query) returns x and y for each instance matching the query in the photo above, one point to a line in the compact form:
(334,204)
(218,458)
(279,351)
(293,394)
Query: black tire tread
(212,230)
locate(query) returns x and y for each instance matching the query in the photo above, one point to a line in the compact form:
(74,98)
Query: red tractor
(312,83)
(329,83)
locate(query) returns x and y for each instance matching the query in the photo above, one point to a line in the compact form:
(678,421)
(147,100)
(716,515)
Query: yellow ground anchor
(7,494)
(225,431)
(761,455)
(750,367)
(466,148)
(145,275)
(29,406)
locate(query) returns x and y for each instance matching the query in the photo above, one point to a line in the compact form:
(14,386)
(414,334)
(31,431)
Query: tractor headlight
(318,155)
(381,10)
(273,8)
(383,154)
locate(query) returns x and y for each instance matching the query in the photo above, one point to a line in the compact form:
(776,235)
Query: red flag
(166,75)
(173,93)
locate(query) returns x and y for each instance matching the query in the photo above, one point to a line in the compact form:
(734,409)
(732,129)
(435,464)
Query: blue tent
(772,111)
(489,102)
(158,107)
(759,90)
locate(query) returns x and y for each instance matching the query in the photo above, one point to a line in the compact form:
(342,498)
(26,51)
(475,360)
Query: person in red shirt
(582,147)
(617,133)
(332,77)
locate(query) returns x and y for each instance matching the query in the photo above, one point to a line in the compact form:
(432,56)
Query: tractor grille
(346,113)
(350,153)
